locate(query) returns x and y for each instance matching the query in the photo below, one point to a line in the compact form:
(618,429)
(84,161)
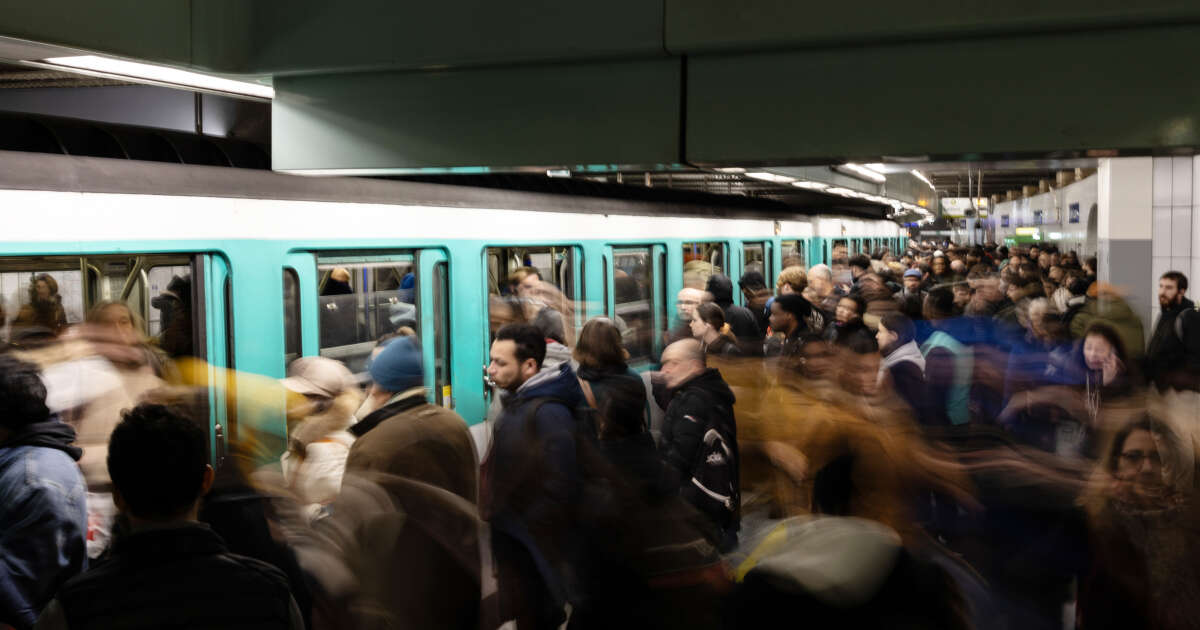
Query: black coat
(1171,361)
(178,577)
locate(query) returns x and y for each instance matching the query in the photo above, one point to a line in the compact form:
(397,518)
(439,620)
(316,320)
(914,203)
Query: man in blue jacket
(43,512)
(530,478)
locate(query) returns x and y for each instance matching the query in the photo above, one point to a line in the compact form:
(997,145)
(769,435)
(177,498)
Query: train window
(291,317)
(633,288)
(701,260)
(361,300)
(441,335)
(756,257)
(515,297)
(839,251)
(46,294)
(39,299)
(793,254)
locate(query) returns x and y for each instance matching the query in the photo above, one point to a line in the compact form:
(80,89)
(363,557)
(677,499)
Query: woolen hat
(399,366)
(318,376)
(912,273)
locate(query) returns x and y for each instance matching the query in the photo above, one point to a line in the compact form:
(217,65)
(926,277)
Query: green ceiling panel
(156,30)
(597,113)
(694,26)
(1118,89)
(286,36)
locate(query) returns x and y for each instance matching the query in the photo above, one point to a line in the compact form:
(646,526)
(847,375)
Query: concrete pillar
(1125,230)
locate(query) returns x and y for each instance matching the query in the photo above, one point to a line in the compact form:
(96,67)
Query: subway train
(250,269)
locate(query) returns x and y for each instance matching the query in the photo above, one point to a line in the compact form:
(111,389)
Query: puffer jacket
(317,451)
(700,441)
(43,519)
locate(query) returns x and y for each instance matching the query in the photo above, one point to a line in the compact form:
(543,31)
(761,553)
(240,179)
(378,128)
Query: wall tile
(1181,231)
(1162,231)
(1181,181)
(1194,272)
(1158,266)
(1164,172)
(1179,263)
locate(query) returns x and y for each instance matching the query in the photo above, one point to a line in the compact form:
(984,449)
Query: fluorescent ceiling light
(921,176)
(845,192)
(810,185)
(147,73)
(731,169)
(877,167)
(771,177)
(859,169)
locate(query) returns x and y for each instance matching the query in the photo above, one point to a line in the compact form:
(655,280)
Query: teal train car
(247,270)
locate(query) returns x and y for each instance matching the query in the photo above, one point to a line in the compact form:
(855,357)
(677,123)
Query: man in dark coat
(42,515)
(700,438)
(170,570)
(1173,355)
(741,321)
(418,452)
(530,478)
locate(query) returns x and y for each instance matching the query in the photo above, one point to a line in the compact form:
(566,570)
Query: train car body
(250,258)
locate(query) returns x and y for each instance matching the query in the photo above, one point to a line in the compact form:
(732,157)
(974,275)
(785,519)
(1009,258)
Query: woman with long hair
(709,326)
(44,308)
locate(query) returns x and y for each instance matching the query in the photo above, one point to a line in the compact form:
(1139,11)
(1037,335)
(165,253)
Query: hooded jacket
(700,441)
(530,477)
(906,365)
(741,321)
(317,450)
(43,518)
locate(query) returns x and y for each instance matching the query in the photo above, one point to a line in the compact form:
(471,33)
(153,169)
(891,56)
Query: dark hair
(795,304)
(1090,263)
(1142,423)
(941,299)
(752,281)
(530,342)
(599,345)
(861,261)
(22,393)
(712,315)
(860,303)
(859,342)
(622,408)
(901,325)
(1179,278)
(1112,337)
(156,458)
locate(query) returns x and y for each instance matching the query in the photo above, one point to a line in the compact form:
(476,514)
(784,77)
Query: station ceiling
(669,89)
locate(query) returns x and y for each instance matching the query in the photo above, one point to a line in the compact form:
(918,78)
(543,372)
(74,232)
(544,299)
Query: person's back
(169,570)
(43,520)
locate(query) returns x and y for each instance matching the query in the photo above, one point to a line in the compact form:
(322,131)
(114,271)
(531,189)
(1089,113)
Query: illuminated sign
(1027,231)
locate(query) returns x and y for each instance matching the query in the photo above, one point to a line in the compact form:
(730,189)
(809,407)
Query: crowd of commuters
(945,437)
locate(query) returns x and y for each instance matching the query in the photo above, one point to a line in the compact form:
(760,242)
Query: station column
(1146,226)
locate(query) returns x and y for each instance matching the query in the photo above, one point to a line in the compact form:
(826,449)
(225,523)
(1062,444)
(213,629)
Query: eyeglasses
(1136,458)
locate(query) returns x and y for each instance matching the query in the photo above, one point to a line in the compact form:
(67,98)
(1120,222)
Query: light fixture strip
(921,176)
(161,75)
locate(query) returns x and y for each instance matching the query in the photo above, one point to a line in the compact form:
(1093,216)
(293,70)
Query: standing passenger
(45,307)
(603,368)
(948,363)
(43,519)
(1173,354)
(713,333)
(530,478)
(319,412)
(741,321)
(170,570)
(407,439)
(700,438)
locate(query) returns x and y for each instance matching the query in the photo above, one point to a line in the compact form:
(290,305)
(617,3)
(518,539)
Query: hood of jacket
(556,355)
(841,562)
(710,381)
(559,384)
(47,434)
(721,288)
(338,417)
(905,352)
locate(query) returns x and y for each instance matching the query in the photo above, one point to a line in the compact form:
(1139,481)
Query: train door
(342,305)
(701,260)
(637,299)
(794,254)
(756,257)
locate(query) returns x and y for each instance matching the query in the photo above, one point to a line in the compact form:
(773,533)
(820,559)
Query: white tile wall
(1162,231)
(1181,181)
(1163,174)
(1181,230)
(1159,266)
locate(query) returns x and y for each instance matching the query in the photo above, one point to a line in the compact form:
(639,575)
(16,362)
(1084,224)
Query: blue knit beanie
(399,366)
